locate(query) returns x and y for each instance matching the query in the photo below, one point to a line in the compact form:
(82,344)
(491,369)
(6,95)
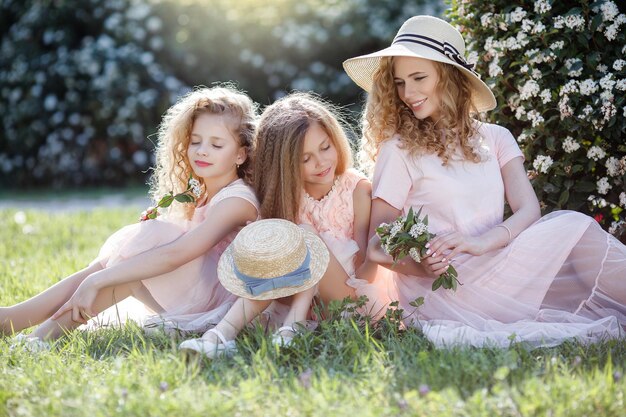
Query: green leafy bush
(558,70)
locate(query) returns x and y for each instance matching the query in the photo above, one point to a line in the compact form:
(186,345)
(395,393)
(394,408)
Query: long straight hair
(280,139)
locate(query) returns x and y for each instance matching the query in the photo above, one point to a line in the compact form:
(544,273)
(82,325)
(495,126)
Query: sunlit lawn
(342,368)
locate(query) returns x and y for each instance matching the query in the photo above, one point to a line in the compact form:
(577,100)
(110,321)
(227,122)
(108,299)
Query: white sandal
(283,340)
(210,349)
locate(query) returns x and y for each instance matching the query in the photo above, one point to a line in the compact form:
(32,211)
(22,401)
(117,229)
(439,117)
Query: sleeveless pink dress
(192,296)
(563,277)
(333,219)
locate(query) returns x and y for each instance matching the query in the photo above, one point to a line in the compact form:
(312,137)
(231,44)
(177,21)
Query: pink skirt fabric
(191,295)
(562,278)
(379,292)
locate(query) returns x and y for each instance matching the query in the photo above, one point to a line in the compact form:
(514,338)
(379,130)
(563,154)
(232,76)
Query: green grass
(341,368)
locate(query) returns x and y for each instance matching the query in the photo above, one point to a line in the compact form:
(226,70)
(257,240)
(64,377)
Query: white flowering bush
(558,71)
(81,90)
(83,83)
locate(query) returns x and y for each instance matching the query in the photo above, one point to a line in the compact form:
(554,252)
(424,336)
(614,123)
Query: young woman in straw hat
(524,278)
(169,263)
(303,174)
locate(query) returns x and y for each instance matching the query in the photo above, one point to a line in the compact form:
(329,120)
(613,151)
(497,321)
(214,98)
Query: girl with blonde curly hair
(524,278)
(204,152)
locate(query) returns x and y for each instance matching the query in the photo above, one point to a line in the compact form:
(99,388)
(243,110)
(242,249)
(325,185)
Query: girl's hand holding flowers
(410,236)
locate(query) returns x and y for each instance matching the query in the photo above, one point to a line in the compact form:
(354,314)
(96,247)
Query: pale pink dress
(192,296)
(563,277)
(333,219)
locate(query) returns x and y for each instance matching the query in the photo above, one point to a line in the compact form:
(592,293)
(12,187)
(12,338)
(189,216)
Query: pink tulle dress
(563,277)
(333,219)
(191,296)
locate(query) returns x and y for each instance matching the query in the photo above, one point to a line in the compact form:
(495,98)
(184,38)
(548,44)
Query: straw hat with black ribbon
(429,38)
(272,258)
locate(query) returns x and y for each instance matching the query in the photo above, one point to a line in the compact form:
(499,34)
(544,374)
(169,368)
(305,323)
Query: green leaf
(563,198)
(184,198)
(418,302)
(596,22)
(166,201)
(437,283)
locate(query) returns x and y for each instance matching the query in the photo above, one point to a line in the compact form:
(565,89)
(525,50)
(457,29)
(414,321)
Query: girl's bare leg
(241,313)
(40,307)
(300,306)
(53,329)
(333,285)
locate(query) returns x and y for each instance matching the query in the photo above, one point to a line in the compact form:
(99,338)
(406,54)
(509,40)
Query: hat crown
(434,28)
(268,249)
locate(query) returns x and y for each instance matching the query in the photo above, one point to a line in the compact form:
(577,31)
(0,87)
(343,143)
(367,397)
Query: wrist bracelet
(508,231)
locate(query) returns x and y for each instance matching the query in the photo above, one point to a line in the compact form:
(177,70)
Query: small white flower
(194,184)
(486,19)
(587,110)
(602,68)
(395,228)
(570,145)
(494,69)
(564,108)
(535,117)
(524,68)
(612,166)
(517,15)
(539,27)
(536,74)
(618,64)
(557,45)
(529,89)
(588,87)
(418,229)
(415,255)
(570,87)
(609,11)
(542,163)
(622,199)
(611,32)
(596,153)
(569,63)
(520,112)
(542,6)
(607,82)
(608,110)
(527,25)
(621,84)
(603,185)
(616,225)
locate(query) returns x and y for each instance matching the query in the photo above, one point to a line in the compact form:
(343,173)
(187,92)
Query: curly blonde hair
(173,168)
(280,141)
(386,115)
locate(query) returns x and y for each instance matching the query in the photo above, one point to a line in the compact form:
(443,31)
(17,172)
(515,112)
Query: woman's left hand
(80,304)
(453,243)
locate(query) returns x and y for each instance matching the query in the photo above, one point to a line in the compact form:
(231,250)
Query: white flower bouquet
(409,236)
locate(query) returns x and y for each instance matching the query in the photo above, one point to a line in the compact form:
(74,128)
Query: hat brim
(318,265)
(361,70)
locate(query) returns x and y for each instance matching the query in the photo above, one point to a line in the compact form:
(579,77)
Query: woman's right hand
(435,265)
